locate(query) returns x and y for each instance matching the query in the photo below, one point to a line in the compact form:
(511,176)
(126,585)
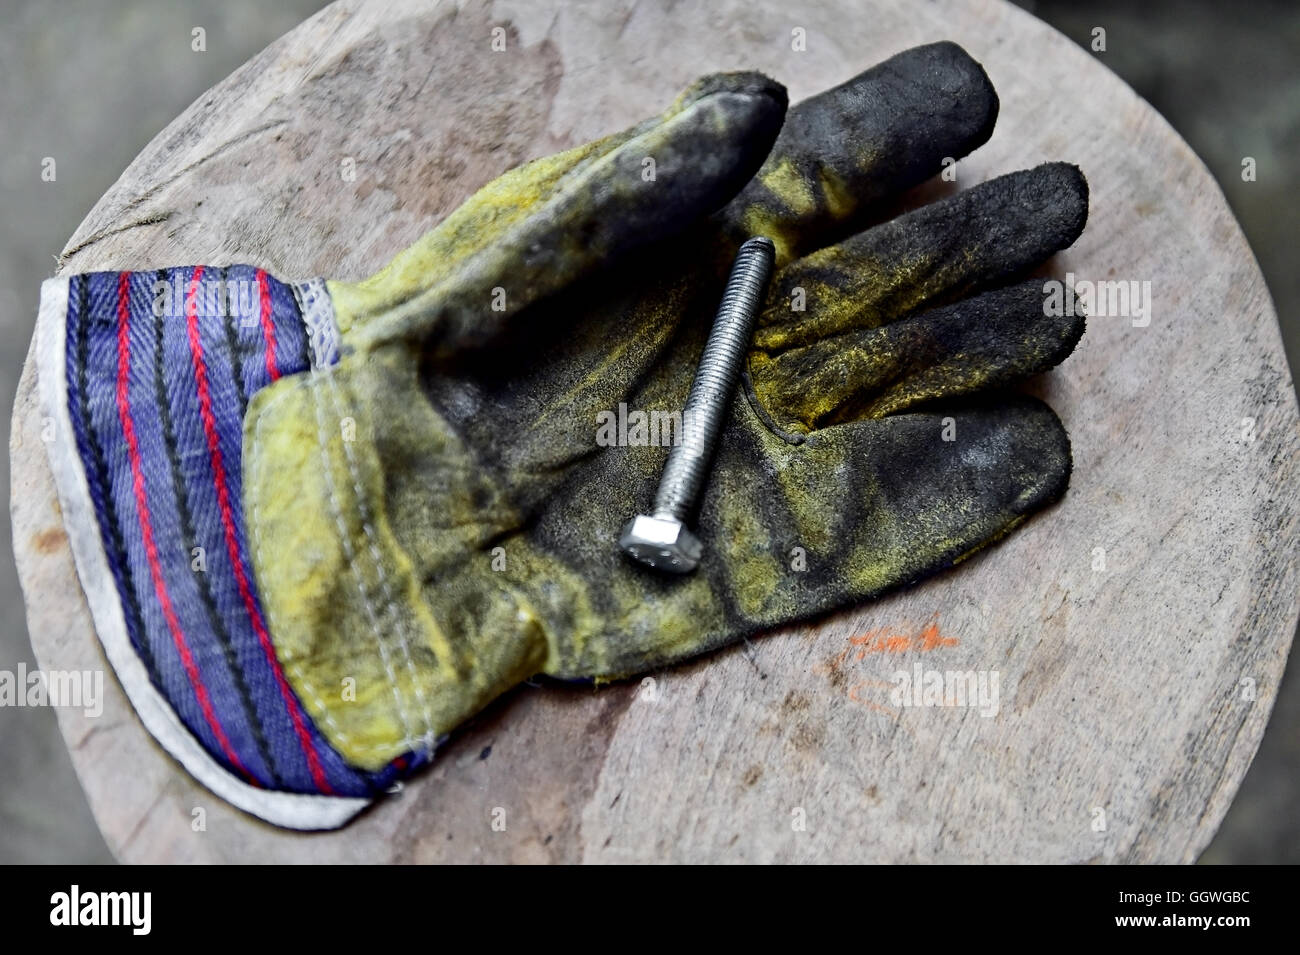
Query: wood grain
(1121,689)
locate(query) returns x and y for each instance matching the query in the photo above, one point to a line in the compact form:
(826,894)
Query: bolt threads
(715,380)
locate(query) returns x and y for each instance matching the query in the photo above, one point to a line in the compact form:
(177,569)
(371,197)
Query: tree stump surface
(1139,629)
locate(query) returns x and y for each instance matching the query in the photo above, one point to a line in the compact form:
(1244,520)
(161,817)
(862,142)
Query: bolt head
(661,542)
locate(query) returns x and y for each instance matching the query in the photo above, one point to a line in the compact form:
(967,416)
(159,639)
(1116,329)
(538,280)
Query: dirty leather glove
(462,536)
(196,418)
(431,512)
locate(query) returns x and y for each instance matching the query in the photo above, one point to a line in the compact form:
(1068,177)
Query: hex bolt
(661,539)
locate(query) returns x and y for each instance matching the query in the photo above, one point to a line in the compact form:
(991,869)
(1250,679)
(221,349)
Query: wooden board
(1138,630)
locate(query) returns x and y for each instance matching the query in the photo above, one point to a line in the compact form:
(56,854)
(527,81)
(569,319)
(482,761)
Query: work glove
(437,461)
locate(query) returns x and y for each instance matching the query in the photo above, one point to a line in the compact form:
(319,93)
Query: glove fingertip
(1045,443)
(1066,190)
(745,83)
(738,118)
(947,74)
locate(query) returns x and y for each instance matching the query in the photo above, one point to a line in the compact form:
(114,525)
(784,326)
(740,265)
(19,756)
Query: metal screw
(661,539)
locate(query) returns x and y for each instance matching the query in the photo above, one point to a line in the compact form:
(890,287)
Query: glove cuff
(146,377)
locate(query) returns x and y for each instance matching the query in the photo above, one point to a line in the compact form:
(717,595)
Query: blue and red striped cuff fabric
(160,368)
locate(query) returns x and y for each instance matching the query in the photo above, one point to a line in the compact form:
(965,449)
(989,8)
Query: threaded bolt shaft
(715,380)
(706,406)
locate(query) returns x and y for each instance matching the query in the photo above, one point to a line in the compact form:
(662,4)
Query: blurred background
(91,83)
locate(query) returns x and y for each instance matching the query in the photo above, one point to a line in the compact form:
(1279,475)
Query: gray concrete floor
(90,83)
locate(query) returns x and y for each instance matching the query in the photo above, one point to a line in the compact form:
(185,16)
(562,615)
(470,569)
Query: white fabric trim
(318,316)
(290,810)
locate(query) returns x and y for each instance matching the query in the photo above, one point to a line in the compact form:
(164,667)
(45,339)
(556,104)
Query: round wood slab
(1137,631)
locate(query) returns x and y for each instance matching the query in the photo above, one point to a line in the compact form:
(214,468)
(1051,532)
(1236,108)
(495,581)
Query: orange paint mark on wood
(890,640)
(856,696)
(894,640)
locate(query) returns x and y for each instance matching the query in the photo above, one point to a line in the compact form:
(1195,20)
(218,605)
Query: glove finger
(976,238)
(976,344)
(544,225)
(871,506)
(875,136)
